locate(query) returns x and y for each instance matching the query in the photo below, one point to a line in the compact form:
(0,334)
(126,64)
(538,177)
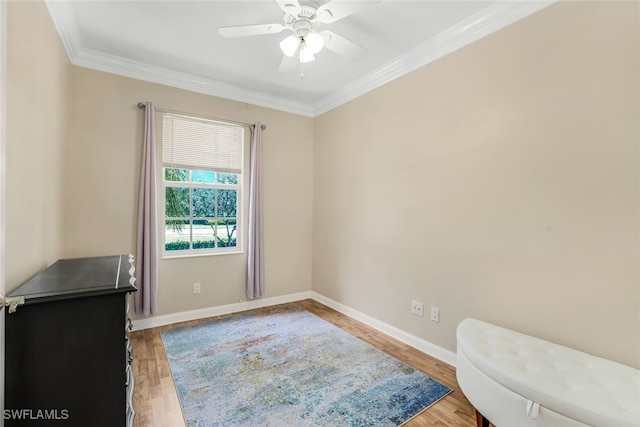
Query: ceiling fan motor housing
(306,12)
(302,23)
(301,27)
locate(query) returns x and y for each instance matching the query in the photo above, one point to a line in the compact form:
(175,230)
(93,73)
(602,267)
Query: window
(202,175)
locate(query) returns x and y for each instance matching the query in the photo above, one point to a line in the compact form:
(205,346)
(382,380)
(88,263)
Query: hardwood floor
(156,403)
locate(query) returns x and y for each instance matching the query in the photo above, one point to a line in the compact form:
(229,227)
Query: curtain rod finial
(141,105)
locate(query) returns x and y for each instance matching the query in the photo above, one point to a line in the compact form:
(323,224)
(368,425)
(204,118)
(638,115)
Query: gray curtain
(255,272)
(147,246)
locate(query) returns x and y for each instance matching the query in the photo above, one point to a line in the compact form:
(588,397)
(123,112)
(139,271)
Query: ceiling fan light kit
(313,41)
(310,42)
(303,22)
(306,55)
(289,45)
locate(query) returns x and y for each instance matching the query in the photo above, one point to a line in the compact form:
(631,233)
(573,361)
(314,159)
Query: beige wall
(105,147)
(74,140)
(500,182)
(36,137)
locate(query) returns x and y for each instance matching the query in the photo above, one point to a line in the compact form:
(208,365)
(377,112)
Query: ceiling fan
(303,21)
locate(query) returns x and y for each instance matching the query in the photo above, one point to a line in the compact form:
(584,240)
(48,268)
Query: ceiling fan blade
(289,6)
(250,30)
(288,63)
(338,9)
(342,46)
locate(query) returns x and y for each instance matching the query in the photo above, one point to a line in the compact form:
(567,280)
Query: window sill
(199,255)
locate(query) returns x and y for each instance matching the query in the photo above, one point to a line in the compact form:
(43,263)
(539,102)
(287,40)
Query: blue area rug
(285,367)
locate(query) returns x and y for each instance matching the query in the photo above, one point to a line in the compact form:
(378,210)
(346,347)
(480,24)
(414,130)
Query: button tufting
(594,390)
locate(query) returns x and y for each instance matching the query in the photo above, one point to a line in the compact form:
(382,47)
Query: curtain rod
(142,106)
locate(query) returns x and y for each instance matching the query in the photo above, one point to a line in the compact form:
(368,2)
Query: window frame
(191,185)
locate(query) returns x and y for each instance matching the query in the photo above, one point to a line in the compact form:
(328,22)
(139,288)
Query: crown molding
(88,58)
(481,24)
(69,34)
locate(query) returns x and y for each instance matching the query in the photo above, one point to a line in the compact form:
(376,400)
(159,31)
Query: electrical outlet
(435,314)
(417,308)
(196,288)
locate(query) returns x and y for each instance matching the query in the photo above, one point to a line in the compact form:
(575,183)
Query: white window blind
(194,143)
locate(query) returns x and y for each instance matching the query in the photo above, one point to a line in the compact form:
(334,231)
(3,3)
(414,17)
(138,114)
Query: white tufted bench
(515,380)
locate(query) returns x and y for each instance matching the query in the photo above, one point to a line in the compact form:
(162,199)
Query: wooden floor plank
(156,402)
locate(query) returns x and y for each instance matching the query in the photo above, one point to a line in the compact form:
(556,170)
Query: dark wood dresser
(68,356)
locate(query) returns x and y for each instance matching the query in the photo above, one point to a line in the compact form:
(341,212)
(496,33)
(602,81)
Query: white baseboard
(405,337)
(185,316)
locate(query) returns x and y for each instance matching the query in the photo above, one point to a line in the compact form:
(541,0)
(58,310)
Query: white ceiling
(177,43)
